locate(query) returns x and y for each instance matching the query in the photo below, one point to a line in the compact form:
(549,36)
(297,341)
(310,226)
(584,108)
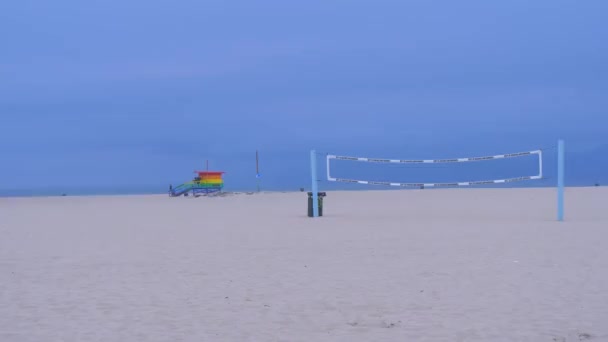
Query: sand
(418,265)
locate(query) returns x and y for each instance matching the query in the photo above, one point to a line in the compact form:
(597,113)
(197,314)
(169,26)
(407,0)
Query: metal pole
(540,164)
(257,170)
(315,190)
(561,159)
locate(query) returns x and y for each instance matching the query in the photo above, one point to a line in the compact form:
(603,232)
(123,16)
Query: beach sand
(415,265)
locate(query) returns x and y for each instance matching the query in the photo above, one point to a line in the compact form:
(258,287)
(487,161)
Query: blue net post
(315,190)
(561,161)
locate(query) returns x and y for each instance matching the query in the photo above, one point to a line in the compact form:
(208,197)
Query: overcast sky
(143,92)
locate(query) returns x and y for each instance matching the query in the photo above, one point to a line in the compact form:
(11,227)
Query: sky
(109,94)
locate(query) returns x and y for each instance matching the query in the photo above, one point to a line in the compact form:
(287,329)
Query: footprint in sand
(389,325)
(584,336)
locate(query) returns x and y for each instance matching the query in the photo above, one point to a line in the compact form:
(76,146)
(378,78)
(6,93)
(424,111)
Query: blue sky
(113,93)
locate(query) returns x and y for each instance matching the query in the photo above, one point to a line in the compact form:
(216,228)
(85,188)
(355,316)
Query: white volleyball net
(538,175)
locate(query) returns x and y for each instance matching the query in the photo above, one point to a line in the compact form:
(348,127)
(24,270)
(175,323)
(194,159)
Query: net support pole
(561,159)
(315,190)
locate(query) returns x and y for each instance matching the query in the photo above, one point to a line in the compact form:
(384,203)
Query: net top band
(433,161)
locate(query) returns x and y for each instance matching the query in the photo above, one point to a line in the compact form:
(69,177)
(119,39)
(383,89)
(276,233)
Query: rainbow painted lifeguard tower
(207,182)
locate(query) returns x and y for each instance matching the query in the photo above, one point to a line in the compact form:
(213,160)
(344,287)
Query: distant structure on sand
(207,182)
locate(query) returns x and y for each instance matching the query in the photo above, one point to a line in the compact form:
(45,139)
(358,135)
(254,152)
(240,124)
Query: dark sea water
(159,190)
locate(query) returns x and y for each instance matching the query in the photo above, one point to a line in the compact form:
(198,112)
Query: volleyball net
(537,175)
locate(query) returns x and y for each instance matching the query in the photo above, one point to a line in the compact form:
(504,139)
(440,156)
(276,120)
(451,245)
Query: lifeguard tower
(207,182)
